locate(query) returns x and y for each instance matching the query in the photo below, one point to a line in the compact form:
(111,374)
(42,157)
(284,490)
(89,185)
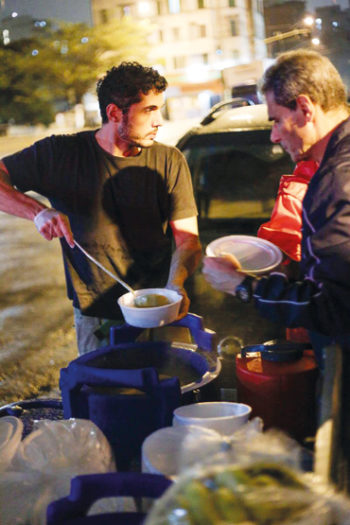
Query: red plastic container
(279,382)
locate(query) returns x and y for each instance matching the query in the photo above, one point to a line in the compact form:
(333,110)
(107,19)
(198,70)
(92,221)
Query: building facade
(193,42)
(332,27)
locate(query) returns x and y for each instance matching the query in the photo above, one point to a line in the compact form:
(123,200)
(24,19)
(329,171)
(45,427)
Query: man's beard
(138,142)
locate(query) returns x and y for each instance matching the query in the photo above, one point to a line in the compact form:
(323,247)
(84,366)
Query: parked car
(248,90)
(235,171)
(224,105)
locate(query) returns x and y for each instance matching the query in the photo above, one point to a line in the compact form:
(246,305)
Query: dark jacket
(321,300)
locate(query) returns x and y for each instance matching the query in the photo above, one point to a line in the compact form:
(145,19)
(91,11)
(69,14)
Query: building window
(176,33)
(202,31)
(200,4)
(104,16)
(160,36)
(179,62)
(198,31)
(232,3)
(260,6)
(234,27)
(235,54)
(199,60)
(162,7)
(174,6)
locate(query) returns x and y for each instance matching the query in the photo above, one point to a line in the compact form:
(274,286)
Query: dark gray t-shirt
(119,210)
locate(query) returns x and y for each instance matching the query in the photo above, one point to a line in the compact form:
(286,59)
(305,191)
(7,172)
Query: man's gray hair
(304,72)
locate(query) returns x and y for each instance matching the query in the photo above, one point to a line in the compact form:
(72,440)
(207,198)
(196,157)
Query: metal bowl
(150,317)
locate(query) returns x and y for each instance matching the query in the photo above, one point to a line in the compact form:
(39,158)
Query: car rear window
(235,174)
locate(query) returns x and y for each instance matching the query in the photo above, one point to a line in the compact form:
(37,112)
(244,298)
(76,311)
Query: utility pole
(288,34)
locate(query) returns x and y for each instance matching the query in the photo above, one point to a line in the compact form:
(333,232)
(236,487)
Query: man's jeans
(85,328)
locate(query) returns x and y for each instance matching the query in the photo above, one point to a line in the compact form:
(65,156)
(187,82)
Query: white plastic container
(150,317)
(223,416)
(162,451)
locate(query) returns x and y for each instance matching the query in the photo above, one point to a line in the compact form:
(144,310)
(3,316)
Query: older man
(306,102)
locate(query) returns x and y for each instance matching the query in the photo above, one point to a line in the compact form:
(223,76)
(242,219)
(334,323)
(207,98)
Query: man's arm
(185,258)
(50,223)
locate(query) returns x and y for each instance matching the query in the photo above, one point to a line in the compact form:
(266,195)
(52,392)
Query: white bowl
(223,416)
(154,316)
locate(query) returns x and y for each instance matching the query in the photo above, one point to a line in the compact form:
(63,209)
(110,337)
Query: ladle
(120,281)
(139,300)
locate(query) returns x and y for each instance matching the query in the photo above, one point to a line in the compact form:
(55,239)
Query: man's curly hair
(123,86)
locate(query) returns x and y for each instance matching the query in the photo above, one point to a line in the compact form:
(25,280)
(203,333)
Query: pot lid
(279,353)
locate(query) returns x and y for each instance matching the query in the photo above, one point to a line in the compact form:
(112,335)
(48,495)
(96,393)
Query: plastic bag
(76,444)
(10,437)
(256,479)
(45,462)
(206,448)
(170,450)
(261,493)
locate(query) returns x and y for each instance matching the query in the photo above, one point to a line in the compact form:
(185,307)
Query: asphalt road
(36,323)
(37,335)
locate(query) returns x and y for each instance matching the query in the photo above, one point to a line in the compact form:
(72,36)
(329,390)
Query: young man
(116,192)
(306,101)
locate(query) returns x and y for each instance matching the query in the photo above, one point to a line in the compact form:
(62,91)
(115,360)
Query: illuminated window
(6,36)
(174,6)
(144,8)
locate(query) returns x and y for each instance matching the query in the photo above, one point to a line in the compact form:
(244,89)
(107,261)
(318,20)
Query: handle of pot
(73,378)
(142,378)
(204,338)
(87,489)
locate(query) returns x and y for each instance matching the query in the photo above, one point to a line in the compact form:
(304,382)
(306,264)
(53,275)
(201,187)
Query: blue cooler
(129,389)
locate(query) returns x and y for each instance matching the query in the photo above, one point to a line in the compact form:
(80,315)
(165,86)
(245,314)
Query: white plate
(254,254)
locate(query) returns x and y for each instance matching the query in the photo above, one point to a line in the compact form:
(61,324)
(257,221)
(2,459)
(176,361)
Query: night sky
(69,10)
(80,11)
